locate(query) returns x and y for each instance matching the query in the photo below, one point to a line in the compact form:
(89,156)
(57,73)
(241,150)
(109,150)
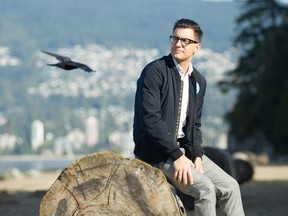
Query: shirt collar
(180,70)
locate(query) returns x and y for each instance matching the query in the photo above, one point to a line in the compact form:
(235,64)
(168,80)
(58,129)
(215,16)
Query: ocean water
(26,163)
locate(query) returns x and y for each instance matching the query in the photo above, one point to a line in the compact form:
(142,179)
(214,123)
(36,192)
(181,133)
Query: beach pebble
(33,173)
(13,173)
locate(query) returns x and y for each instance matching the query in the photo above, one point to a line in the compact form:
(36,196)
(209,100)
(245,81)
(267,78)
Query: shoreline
(12,165)
(39,179)
(266,194)
(37,157)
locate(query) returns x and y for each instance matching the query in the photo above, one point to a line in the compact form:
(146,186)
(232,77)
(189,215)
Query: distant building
(37,134)
(61,146)
(92,131)
(66,145)
(123,142)
(76,136)
(7,141)
(222,141)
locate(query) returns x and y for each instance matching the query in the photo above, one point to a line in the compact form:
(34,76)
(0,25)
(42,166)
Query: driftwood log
(108,184)
(244,163)
(222,158)
(239,165)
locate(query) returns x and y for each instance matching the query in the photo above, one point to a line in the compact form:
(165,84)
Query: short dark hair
(187,23)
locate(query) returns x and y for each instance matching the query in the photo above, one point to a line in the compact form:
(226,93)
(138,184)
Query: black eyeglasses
(184,41)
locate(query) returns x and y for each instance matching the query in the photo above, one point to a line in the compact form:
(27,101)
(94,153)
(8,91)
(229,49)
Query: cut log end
(106,183)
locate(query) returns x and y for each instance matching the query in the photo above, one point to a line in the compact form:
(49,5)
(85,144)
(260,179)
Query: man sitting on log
(168,105)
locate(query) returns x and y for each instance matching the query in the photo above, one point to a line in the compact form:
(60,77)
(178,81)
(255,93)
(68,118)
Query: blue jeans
(214,183)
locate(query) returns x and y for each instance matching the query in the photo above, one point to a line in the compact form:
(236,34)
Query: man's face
(180,51)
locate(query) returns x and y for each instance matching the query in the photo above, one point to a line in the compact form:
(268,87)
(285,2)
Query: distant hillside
(34,24)
(113,36)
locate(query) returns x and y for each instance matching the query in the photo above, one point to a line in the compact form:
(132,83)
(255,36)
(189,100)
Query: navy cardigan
(157,113)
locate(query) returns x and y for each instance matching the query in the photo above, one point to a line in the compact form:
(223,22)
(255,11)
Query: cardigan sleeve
(150,109)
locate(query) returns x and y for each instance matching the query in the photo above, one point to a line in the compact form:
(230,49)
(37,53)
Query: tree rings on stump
(106,183)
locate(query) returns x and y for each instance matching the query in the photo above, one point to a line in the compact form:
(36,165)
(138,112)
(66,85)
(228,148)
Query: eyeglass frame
(184,41)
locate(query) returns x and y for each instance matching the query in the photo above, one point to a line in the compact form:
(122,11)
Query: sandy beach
(265,195)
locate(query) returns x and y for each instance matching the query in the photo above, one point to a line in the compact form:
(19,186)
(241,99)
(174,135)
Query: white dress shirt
(185,96)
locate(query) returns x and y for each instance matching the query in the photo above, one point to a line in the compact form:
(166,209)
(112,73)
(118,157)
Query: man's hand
(198,165)
(183,172)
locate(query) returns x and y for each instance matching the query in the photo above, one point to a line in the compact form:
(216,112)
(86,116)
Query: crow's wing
(59,57)
(81,66)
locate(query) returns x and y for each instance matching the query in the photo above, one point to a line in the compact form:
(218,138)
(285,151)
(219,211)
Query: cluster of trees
(261,78)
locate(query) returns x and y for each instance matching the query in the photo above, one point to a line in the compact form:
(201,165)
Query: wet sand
(265,195)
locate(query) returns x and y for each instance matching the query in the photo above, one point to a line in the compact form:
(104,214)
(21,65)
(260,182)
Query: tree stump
(106,183)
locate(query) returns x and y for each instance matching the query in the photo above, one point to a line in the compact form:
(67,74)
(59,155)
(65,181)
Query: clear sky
(283,1)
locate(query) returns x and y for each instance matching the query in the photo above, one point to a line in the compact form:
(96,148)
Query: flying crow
(67,64)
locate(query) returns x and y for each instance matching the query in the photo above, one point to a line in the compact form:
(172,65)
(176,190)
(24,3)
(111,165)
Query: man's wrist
(176,154)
